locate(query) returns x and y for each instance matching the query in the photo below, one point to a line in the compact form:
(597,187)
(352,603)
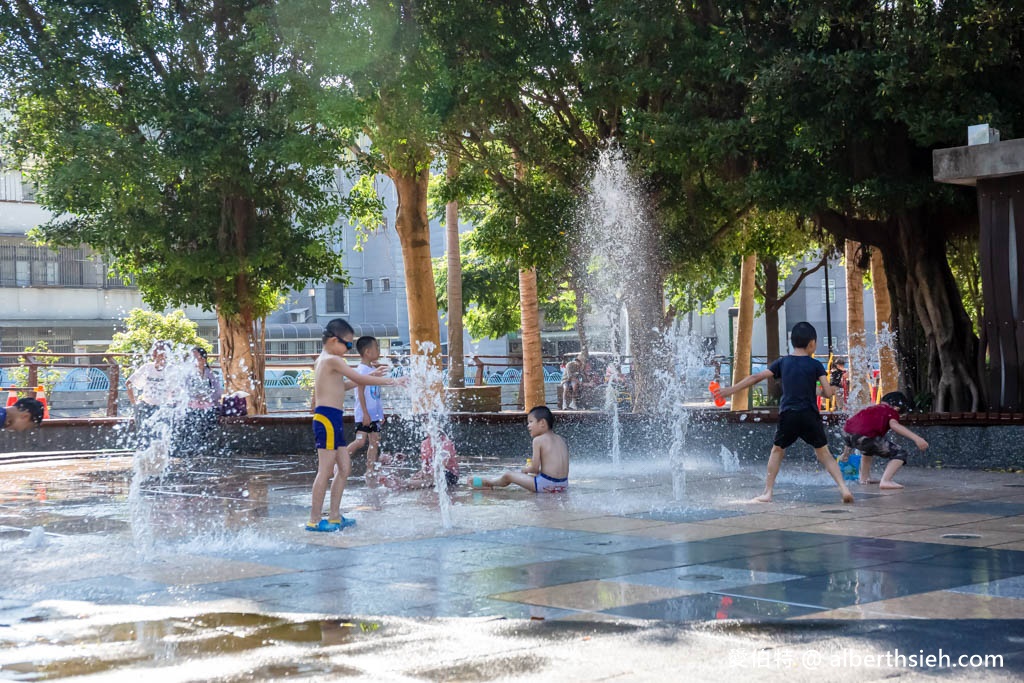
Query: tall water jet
(616,236)
(427,406)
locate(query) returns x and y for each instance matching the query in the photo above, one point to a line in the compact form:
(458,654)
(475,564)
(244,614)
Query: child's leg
(324,471)
(865,469)
(518,478)
(372,451)
(774,463)
(357,443)
(892,468)
(830,464)
(344,464)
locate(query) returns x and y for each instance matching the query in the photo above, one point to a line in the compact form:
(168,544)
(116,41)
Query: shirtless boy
(330,373)
(548,469)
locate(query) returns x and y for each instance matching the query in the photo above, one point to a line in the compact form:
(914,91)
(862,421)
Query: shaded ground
(209,576)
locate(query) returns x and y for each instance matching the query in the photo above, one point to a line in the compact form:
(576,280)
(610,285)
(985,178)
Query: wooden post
(114,375)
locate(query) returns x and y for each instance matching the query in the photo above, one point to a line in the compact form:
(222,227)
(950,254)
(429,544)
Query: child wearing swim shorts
(548,469)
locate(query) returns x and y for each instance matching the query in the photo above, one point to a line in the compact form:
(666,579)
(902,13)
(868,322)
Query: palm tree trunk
(889,369)
(533,366)
(744,332)
(858,368)
(456,359)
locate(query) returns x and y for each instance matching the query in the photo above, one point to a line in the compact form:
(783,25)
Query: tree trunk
(242,358)
(645,302)
(456,358)
(928,295)
(889,372)
(744,332)
(858,368)
(579,302)
(533,362)
(413,229)
(770,266)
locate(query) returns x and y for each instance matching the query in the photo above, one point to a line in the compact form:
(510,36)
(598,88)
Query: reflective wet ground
(210,576)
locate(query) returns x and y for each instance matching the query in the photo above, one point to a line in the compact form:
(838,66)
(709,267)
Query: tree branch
(799,281)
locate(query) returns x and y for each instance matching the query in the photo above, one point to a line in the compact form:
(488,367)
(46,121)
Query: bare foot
(847,496)
(865,482)
(890,485)
(763,498)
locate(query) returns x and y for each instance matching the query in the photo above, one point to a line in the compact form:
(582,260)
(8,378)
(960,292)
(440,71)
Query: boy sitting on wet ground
(548,469)
(866,431)
(330,373)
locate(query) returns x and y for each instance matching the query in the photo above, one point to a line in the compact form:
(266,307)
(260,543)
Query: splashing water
(616,235)
(678,382)
(427,405)
(161,410)
(730,461)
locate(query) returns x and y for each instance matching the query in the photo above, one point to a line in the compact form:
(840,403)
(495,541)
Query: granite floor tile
(590,595)
(989,508)
(704,578)
(760,521)
(1011,587)
(777,539)
(859,586)
(932,605)
(611,525)
(197,569)
(684,514)
(958,535)
(993,562)
(603,544)
(687,532)
(862,526)
(712,606)
(931,519)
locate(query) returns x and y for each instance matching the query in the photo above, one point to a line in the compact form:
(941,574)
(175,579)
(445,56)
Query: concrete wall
(504,435)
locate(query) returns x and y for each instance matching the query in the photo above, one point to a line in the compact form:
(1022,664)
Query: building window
(385,284)
(369,284)
(335,293)
(829,286)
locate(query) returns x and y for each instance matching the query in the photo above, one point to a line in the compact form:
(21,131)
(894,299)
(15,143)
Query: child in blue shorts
(330,373)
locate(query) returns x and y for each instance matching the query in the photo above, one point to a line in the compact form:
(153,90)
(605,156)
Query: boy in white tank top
(369,409)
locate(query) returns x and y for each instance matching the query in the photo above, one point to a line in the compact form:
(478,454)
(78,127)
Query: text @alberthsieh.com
(817,659)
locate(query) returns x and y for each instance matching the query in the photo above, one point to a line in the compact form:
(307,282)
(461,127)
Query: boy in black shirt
(798,410)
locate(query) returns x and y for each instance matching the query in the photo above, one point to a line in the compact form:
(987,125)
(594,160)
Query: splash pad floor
(210,576)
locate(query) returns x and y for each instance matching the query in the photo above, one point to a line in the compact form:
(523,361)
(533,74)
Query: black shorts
(875,445)
(372,428)
(800,424)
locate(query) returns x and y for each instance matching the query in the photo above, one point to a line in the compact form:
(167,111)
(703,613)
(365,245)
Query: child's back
(799,375)
(554,455)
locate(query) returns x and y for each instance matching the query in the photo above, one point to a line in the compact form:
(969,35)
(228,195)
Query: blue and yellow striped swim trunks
(327,428)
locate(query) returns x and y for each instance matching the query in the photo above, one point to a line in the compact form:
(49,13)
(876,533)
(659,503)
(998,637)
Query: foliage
(46,375)
(144,328)
(965,262)
(490,294)
(184,143)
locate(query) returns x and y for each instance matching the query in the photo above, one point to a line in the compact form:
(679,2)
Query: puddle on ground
(51,644)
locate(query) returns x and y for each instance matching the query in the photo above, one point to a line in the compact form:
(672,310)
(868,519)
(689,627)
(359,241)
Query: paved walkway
(617,564)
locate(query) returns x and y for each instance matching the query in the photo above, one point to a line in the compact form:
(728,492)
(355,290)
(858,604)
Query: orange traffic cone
(12,397)
(41,397)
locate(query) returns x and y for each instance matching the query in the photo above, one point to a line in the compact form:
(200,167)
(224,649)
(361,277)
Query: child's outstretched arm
(747,381)
(904,432)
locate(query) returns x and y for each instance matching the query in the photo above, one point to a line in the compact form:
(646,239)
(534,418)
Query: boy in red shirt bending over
(866,432)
